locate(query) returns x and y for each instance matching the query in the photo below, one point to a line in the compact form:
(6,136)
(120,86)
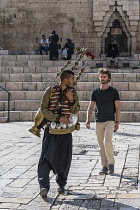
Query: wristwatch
(117,122)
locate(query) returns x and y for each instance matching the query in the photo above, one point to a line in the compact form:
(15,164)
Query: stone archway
(117,30)
(119,36)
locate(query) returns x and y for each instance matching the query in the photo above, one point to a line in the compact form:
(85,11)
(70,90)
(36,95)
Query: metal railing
(9,95)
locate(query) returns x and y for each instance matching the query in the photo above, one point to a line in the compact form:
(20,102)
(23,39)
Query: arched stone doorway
(119,36)
(116,30)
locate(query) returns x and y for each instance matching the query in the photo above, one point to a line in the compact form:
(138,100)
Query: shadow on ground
(79,201)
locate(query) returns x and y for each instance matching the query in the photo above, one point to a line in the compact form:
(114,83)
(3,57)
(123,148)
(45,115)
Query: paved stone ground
(19,154)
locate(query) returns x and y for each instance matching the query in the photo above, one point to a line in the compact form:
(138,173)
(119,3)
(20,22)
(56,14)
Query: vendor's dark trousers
(44,169)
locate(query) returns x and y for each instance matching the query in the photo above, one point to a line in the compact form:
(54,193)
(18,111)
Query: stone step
(7,57)
(27,60)
(25,77)
(126,116)
(124,95)
(50,68)
(122,62)
(51,76)
(22,95)
(20,105)
(1,113)
(20,115)
(125,105)
(85,86)
(33,105)
(37,61)
(3,119)
(83,95)
(121,86)
(4,52)
(23,57)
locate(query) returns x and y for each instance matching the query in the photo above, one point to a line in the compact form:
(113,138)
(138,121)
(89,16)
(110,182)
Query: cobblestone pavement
(86,189)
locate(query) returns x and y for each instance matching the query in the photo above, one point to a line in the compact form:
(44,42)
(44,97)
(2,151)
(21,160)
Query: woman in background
(70,48)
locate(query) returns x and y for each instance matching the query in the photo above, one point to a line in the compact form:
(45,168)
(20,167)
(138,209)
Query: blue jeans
(45,48)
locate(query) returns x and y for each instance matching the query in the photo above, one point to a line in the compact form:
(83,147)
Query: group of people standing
(56,152)
(51,44)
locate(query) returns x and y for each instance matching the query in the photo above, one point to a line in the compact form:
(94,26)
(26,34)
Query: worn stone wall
(86,22)
(127,12)
(23,23)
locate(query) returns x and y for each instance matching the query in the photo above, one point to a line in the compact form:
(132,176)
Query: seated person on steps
(44,45)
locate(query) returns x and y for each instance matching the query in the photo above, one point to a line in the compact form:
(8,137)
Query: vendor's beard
(70,86)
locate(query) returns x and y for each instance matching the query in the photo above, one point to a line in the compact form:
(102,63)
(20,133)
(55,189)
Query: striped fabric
(54,101)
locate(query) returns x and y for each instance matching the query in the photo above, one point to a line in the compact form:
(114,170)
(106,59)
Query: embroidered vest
(55,101)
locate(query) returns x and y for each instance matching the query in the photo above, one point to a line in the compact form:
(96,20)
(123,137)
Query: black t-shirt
(105,103)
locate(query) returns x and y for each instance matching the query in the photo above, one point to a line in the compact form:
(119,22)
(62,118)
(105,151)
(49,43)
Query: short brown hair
(104,71)
(66,74)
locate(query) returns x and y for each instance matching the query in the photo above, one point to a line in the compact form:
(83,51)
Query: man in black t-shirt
(107,117)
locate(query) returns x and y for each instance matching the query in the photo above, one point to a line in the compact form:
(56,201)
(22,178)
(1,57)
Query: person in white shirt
(44,45)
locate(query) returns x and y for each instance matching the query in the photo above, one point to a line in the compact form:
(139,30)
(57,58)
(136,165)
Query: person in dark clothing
(112,50)
(70,48)
(57,149)
(53,39)
(107,117)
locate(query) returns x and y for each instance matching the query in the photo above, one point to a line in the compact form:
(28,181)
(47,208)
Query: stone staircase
(27,76)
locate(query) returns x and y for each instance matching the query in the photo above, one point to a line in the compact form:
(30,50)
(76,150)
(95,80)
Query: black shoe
(61,189)
(104,170)
(43,192)
(111,169)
